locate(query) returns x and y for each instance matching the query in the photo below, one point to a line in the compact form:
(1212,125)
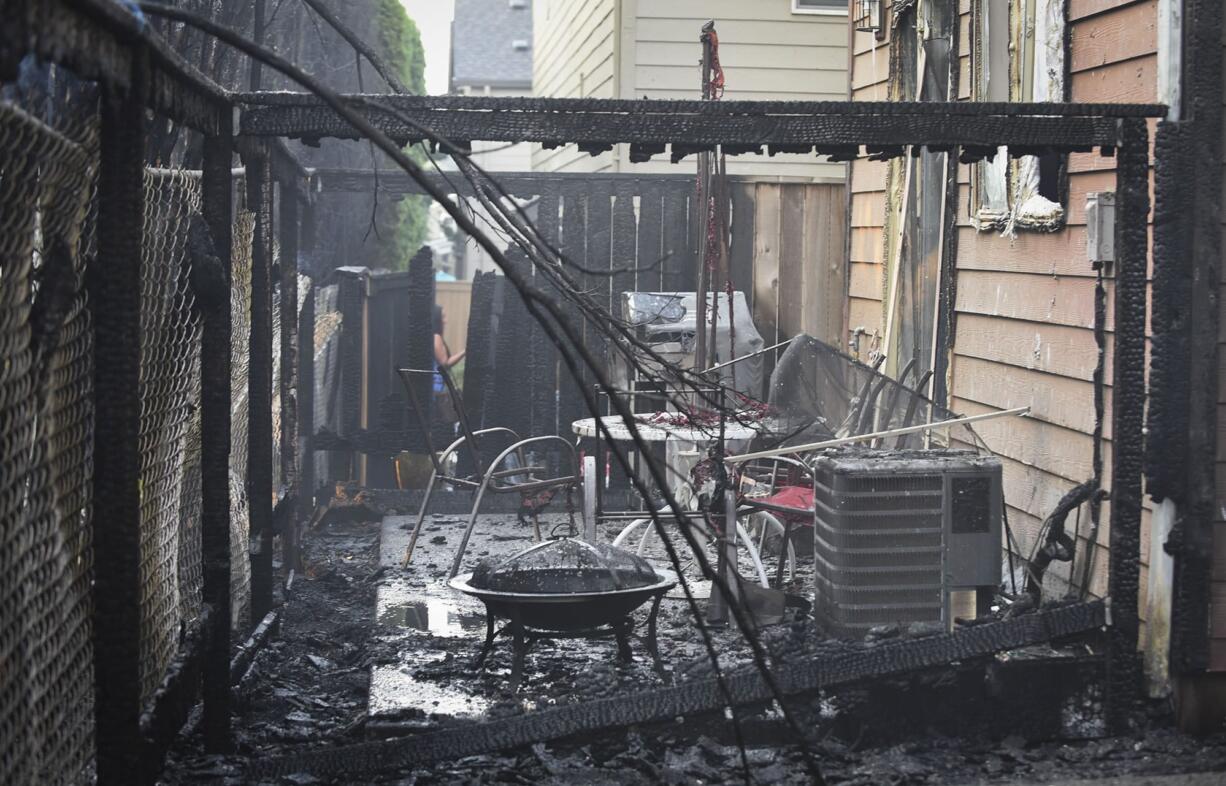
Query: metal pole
(1128,412)
(701,216)
(288,231)
(259,384)
(215,430)
(115,302)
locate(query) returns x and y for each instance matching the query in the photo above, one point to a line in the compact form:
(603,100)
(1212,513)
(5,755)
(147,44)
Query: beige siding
(767,53)
(646,49)
(869,76)
(573,57)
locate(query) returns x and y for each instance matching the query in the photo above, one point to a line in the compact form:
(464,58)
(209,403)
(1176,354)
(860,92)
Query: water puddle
(436,616)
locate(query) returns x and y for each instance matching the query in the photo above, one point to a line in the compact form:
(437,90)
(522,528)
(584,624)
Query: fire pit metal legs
(522,637)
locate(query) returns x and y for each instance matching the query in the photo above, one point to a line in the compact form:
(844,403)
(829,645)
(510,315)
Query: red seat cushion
(798,500)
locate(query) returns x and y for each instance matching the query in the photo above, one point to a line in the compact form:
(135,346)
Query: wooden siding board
(1059,400)
(1029,297)
(864,281)
(1117,35)
(1055,254)
(1133,80)
(1055,349)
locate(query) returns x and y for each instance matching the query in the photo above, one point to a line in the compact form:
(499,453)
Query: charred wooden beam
(115,305)
(690,697)
(522,184)
(215,430)
(1132,178)
(744,126)
(259,381)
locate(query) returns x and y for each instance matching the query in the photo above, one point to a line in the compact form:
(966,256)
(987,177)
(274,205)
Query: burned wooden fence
(619,233)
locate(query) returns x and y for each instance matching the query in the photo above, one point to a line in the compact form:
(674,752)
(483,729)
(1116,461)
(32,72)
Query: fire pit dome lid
(565,565)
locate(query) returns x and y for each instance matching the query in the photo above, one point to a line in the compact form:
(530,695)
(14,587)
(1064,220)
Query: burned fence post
(288,231)
(215,430)
(1128,384)
(477,363)
(514,376)
(420,350)
(259,382)
(115,300)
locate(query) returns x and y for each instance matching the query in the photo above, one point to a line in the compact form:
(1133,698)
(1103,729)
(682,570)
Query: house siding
(641,49)
(1024,306)
(573,57)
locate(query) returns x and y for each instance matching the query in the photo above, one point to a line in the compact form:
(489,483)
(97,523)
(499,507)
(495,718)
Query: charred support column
(259,384)
(1128,386)
(215,429)
(289,372)
(306,368)
(115,308)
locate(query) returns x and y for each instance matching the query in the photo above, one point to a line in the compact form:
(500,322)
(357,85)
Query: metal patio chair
(498,477)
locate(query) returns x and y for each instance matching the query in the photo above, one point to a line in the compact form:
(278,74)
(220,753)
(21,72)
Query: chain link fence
(48,168)
(170,422)
(240,338)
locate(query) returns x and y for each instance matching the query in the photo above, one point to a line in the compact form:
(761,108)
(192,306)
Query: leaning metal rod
(531,299)
(830,443)
(755,353)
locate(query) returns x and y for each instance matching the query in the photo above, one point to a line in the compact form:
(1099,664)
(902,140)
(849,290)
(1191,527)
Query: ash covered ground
(369,650)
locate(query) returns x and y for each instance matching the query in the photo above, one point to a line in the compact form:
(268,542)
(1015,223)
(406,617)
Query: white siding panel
(768,54)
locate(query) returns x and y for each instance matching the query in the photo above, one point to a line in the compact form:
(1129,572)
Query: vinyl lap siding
(870,71)
(573,58)
(767,53)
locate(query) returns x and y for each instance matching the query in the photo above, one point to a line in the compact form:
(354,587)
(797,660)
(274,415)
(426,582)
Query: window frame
(841,10)
(1019,84)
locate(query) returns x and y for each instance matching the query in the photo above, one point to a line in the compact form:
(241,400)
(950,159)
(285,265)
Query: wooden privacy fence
(622,233)
(787,247)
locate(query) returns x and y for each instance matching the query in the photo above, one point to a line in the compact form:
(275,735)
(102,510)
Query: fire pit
(566,587)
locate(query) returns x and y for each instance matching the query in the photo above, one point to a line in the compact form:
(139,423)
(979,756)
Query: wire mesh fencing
(240,337)
(48,167)
(170,430)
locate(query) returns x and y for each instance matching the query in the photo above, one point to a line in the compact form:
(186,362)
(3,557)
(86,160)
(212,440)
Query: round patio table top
(662,431)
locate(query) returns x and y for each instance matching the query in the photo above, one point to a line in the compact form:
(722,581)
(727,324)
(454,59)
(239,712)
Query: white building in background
(770,50)
(491,55)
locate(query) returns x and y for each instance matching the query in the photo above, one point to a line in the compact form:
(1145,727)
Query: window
(819,7)
(1019,55)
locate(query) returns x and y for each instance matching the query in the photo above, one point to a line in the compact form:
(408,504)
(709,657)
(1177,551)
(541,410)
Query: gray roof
(488,40)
